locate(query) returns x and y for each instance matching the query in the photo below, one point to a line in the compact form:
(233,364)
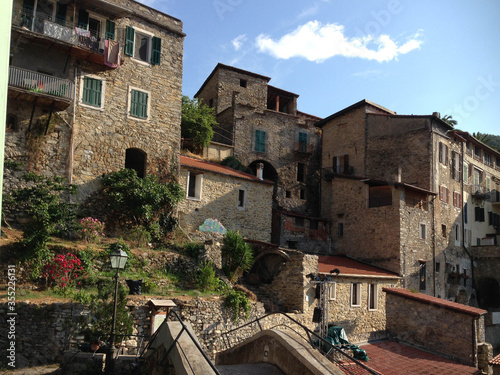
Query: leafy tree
(234,163)
(237,255)
(142,201)
(44,201)
(449,120)
(197,121)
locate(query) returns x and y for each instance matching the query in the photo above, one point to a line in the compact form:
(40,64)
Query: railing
(339,357)
(40,83)
(304,148)
(58,29)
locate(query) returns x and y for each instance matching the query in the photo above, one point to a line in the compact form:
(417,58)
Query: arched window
(136,159)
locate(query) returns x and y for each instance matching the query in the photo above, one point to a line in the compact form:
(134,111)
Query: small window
(211,103)
(302,142)
(443,153)
(457,199)
(479,214)
(302,194)
(356,294)
(379,196)
(340,230)
(241,198)
(457,234)
(332,291)
(444,231)
(423,231)
(299,222)
(341,164)
(423,275)
(194,185)
(466,173)
(260,141)
(372,297)
(110,30)
(138,104)
(300,172)
(438,267)
(288,194)
(142,46)
(243,83)
(92,92)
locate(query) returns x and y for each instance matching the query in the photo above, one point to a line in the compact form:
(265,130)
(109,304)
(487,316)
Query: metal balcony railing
(41,83)
(58,29)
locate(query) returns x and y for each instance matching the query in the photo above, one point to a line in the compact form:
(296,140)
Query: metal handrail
(193,339)
(310,334)
(40,83)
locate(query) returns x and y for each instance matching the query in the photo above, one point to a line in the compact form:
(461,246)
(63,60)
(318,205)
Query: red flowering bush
(64,270)
(91,229)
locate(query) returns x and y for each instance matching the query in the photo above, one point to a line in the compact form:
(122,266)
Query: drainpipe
(71,141)
(433,217)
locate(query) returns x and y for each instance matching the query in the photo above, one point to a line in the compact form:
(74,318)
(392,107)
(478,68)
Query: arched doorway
(269,171)
(136,159)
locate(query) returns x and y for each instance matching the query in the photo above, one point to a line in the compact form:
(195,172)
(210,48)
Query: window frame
(153,53)
(260,144)
(332,291)
(443,153)
(198,186)
(373,292)
(82,89)
(355,294)
(129,106)
(422,231)
(243,201)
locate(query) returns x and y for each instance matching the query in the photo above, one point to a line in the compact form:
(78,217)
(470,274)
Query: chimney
(260,171)
(437,114)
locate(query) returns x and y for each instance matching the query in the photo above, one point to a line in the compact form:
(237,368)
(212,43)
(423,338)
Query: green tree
(449,120)
(142,201)
(237,255)
(197,121)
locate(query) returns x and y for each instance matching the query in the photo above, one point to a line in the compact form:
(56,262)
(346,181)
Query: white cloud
(238,41)
(316,42)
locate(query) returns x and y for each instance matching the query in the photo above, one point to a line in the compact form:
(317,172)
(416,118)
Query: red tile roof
(217,168)
(392,358)
(495,360)
(351,267)
(458,307)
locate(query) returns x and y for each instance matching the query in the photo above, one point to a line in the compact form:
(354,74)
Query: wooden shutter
(156,51)
(110,30)
(129,41)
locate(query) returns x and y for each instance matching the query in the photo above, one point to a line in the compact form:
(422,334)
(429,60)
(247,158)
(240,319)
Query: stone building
(259,123)
(393,188)
(239,201)
(94,86)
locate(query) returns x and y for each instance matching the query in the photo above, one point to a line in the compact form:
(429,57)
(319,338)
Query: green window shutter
(260,141)
(92,91)
(139,104)
(110,30)
(83,19)
(129,41)
(156,51)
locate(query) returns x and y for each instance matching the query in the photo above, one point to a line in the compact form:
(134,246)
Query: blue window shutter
(129,41)
(156,51)
(110,30)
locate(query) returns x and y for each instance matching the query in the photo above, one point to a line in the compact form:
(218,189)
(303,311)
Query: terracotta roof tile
(469,310)
(217,168)
(495,360)
(349,266)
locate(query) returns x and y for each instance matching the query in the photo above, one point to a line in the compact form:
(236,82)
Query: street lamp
(118,259)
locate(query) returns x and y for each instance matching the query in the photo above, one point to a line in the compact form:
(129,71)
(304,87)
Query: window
(487,182)
(466,173)
(487,159)
(243,83)
(341,164)
(379,196)
(423,275)
(288,194)
(302,142)
(110,30)
(478,179)
(479,214)
(416,200)
(300,172)
(466,215)
(477,152)
(136,159)
(241,198)
(356,294)
(340,230)
(444,194)
(423,231)
(142,46)
(332,291)
(138,104)
(457,199)
(443,153)
(455,166)
(444,232)
(457,234)
(92,92)
(260,141)
(438,267)
(302,194)
(372,297)
(194,185)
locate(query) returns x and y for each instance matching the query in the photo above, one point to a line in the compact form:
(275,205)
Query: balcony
(45,89)
(304,148)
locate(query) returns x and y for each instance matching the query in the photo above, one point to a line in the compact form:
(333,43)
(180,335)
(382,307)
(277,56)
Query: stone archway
(269,171)
(136,159)
(267,265)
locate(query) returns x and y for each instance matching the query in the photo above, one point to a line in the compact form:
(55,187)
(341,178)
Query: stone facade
(263,125)
(94,130)
(219,198)
(456,331)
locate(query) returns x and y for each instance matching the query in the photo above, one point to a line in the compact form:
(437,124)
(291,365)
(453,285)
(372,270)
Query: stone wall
(455,330)
(219,200)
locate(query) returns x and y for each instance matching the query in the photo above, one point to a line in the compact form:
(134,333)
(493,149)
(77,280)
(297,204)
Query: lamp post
(118,259)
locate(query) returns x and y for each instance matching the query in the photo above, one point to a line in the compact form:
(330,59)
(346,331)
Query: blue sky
(413,57)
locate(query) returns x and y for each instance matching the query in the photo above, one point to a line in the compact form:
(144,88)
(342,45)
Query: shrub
(64,271)
(192,249)
(237,255)
(91,230)
(139,235)
(237,301)
(206,279)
